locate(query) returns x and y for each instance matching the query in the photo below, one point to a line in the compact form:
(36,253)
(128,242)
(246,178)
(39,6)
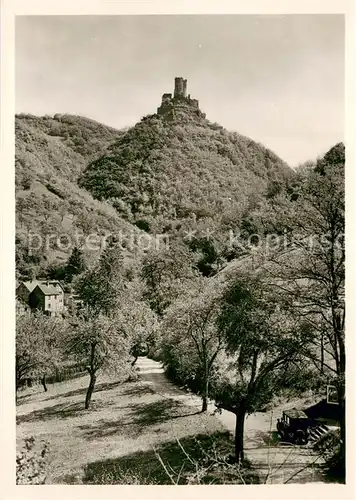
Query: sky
(276,79)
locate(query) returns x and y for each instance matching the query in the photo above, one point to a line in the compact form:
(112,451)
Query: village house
(44,295)
(24,289)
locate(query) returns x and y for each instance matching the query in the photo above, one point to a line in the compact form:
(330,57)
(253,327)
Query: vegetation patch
(202,459)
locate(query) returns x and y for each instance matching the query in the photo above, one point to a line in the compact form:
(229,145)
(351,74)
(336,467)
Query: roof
(54,283)
(30,285)
(48,290)
(324,410)
(294,413)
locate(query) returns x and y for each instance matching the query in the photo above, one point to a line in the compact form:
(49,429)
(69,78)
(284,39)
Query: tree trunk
(18,381)
(341,397)
(43,382)
(239,436)
(322,353)
(341,388)
(90,390)
(205,396)
(343,432)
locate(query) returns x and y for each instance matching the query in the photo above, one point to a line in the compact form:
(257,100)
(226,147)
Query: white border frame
(10,8)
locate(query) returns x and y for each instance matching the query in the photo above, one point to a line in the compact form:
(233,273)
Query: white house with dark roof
(44,295)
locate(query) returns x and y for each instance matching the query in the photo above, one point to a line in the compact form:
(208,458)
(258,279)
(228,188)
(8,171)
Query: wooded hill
(163,170)
(50,155)
(74,175)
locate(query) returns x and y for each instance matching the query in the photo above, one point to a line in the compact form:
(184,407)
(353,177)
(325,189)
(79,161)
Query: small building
(325,412)
(47,298)
(44,295)
(24,289)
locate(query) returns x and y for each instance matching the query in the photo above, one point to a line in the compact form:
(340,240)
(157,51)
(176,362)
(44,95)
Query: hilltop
(173,171)
(176,164)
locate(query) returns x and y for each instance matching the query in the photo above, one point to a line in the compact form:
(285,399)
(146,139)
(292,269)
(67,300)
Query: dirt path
(277,463)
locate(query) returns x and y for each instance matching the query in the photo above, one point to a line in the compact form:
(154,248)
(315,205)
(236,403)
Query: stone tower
(171,106)
(180,87)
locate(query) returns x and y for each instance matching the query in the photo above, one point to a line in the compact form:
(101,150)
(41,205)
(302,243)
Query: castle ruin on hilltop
(170,104)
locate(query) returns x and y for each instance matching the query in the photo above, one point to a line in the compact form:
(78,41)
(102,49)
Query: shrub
(329,448)
(120,476)
(328,444)
(31,462)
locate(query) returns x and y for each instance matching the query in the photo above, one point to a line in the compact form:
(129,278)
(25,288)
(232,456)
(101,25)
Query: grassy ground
(151,432)
(121,435)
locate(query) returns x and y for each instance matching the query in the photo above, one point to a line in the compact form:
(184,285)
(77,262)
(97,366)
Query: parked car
(294,426)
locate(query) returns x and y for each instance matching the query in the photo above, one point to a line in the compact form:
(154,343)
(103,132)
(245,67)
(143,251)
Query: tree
(48,205)
(311,277)
(75,264)
(84,222)
(98,343)
(38,346)
(101,287)
(99,339)
(191,336)
(138,322)
(164,274)
(209,259)
(262,341)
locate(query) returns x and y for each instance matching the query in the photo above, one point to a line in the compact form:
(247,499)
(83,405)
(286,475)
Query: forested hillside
(50,155)
(74,175)
(183,176)
(163,170)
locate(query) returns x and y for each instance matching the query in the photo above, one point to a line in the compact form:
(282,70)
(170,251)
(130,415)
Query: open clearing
(128,424)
